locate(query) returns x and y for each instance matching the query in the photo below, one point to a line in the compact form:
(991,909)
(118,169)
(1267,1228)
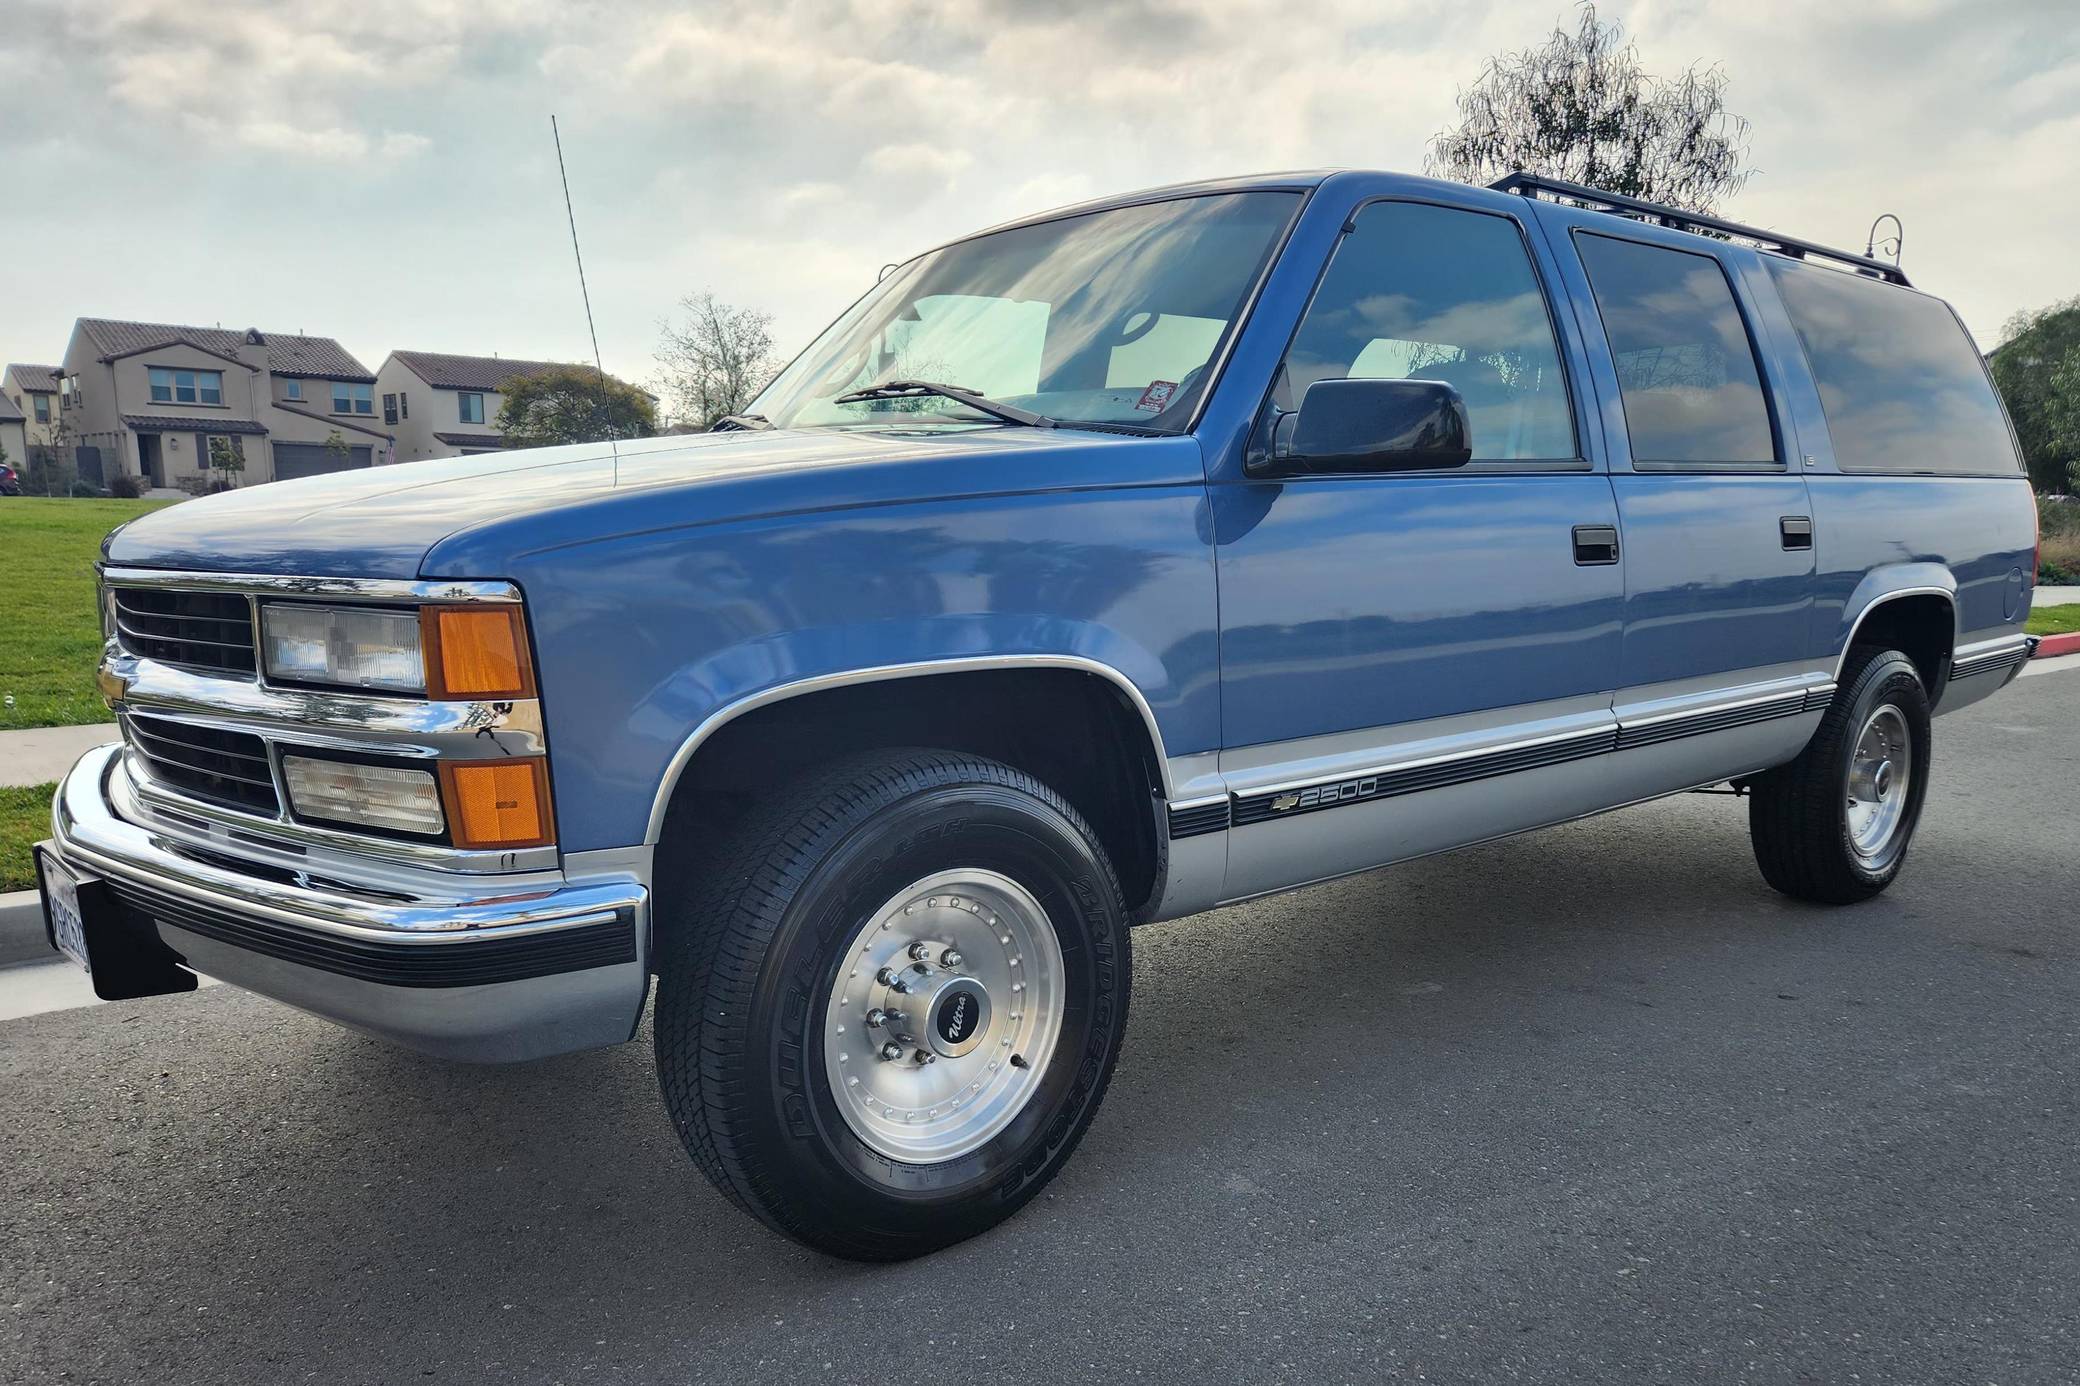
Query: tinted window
(1901,382)
(1428,293)
(1686,371)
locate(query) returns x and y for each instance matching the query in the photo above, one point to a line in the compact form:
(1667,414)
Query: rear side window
(1901,383)
(1417,292)
(1686,370)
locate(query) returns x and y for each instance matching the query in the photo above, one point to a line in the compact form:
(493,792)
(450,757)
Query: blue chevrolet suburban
(1101,568)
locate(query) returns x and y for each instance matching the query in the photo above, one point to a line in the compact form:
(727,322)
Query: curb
(21,929)
(2052,646)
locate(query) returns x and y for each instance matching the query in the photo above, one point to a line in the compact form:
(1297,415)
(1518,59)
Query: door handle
(1595,544)
(1796,531)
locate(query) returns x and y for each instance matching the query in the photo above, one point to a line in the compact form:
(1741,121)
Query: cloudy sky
(381,170)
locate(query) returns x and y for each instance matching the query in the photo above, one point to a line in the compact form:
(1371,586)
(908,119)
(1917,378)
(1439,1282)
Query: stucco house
(14,442)
(154,399)
(444,405)
(33,391)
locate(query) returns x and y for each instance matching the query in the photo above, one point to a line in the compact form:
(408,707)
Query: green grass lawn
(2054,620)
(50,634)
(25,819)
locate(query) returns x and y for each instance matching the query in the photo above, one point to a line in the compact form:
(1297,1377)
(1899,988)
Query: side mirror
(1372,426)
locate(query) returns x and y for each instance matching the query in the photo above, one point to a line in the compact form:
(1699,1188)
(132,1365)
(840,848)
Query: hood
(447,517)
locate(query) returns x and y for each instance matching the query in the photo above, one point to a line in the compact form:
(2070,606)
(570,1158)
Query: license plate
(61,899)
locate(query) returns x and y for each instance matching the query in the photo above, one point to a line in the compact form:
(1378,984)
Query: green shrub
(124,486)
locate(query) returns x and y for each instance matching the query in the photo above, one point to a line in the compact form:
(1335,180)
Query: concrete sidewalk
(2054,596)
(41,754)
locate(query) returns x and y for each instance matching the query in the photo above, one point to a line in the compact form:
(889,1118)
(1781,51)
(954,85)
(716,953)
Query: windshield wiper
(729,423)
(919,389)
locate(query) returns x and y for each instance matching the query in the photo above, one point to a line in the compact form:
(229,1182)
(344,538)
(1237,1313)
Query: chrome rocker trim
(497,974)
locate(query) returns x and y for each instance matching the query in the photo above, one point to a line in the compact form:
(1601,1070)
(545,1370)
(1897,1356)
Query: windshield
(1109,317)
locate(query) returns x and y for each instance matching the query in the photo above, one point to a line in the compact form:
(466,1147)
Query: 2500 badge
(1324,795)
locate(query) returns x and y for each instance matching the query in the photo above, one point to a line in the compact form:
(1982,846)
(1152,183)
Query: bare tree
(1580,108)
(715,360)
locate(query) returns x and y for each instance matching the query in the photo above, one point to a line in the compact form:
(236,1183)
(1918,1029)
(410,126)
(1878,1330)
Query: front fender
(648,642)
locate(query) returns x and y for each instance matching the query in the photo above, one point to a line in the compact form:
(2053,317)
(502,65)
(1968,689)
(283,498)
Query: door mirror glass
(1355,425)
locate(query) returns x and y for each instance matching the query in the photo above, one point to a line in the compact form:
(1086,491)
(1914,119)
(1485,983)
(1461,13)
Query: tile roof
(472,440)
(188,423)
(444,371)
(42,378)
(287,353)
(8,413)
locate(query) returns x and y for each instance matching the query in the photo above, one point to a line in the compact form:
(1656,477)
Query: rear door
(1714,515)
(1429,654)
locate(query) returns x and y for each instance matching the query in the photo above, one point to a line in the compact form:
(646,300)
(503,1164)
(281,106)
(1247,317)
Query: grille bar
(207,630)
(224,767)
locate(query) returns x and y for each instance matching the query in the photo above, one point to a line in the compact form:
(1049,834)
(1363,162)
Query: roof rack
(1532,184)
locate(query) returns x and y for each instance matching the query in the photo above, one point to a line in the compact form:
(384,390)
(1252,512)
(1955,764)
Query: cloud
(779,152)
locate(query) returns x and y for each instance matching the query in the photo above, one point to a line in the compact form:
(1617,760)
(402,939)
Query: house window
(69,395)
(43,407)
(292,389)
(353,399)
(404,405)
(186,387)
(389,409)
(471,407)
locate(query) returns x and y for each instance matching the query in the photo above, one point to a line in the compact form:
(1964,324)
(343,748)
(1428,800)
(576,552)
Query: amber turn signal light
(498,803)
(476,652)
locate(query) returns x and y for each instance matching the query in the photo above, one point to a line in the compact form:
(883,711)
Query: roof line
(175,341)
(336,422)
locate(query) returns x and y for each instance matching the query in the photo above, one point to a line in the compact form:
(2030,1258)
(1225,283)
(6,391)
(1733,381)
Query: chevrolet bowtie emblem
(1284,802)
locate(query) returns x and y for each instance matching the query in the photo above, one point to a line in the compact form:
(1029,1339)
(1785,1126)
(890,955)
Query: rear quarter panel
(1876,535)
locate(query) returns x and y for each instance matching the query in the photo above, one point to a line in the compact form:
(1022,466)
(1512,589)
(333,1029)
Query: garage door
(292,460)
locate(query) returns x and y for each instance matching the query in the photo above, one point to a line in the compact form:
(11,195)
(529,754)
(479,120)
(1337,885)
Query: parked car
(10,481)
(1102,568)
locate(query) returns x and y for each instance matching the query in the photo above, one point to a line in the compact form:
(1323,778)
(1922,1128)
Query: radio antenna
(583,292)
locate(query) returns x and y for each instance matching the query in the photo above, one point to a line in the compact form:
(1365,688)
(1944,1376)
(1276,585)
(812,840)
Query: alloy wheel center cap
(958,1017)
(1881,779)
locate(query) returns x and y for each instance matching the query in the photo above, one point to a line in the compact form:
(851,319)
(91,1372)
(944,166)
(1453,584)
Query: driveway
(1589,1105)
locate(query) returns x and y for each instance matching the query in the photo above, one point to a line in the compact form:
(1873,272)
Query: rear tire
(769,959)
(1834,825)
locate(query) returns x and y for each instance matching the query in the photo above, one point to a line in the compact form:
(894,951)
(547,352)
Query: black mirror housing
(1373,426)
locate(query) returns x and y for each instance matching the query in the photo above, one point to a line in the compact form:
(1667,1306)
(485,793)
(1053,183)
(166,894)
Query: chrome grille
(208,630)
(224,767)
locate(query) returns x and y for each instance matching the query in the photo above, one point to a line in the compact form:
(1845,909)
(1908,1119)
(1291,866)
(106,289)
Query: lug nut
(920,950)
(891,1051)
(926,1056)
(877,1016)
(950,958)
(891,979)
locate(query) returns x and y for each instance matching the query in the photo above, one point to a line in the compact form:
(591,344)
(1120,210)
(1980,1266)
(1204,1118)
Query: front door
(1418,660)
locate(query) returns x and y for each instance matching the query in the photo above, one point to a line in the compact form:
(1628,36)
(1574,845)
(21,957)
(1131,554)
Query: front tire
(1834,825)
(889,1005)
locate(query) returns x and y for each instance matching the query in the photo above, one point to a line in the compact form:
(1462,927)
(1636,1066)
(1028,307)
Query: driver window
(1417,292)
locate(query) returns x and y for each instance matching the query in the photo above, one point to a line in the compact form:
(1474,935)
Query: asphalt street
(1590,1105)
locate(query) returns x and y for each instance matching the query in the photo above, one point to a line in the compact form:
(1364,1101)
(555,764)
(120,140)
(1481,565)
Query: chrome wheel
(945,1013)
(1881,771)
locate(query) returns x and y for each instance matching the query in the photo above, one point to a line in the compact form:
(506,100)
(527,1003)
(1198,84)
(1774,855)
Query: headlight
(371,796)
(346,646)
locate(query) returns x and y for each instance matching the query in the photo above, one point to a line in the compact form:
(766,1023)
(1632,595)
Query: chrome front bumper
(483,971)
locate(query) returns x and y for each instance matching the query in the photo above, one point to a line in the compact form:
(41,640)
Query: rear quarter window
(1901,382)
